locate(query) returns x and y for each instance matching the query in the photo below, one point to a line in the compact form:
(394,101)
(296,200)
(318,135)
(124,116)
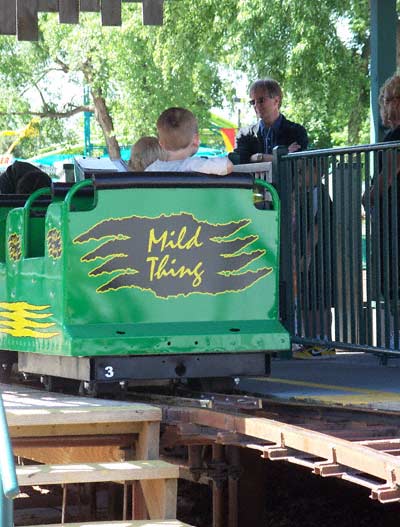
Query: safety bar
(115,180)
(19,200)
(276,202)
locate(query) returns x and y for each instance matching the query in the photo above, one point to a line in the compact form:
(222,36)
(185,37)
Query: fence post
(282,182)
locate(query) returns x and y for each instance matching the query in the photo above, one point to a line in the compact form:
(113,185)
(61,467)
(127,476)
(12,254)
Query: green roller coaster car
(137,276)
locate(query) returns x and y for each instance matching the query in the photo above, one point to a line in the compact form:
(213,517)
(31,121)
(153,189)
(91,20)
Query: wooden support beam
(29,475)
(27,20)
(160,497)
(153,12)
(68,11)
(90,5)
(20,17)
(356,456)
(139,510)
(111,12)
(218,502)
(8,17)
(48,6)
(147,447)
(73,454)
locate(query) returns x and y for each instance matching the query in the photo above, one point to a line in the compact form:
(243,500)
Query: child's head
(178,130)
(144,152)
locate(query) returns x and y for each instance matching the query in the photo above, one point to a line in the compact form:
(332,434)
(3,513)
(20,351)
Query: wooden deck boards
(27,407)
(36,414)
(95,472)
(98,430)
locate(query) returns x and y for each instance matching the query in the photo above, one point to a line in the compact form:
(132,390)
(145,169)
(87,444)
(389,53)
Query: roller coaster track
(359,446)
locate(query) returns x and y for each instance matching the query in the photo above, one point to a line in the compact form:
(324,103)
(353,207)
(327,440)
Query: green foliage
(141,70)
(325,80)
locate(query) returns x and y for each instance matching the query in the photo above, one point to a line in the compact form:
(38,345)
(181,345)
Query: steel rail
(361,462)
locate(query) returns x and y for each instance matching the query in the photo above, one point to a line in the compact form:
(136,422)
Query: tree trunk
(105,121)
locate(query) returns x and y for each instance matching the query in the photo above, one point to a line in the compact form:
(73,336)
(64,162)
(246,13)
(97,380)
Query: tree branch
(63,65)
(54,115)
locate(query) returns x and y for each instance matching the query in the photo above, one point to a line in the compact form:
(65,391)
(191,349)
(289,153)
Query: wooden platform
(85,440)
(57,428)
(95,472)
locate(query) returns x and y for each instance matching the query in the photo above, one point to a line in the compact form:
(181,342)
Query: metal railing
(8,478)
(339,246)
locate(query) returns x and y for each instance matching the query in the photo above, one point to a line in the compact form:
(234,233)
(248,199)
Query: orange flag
(229,135)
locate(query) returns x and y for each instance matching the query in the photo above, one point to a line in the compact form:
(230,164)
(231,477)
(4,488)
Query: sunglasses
(260,100)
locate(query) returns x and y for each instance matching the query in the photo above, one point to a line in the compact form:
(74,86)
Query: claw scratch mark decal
(54,244)
(21,319)
(14,247)
(174,255)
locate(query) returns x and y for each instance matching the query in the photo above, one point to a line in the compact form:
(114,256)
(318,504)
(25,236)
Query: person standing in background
(254,144)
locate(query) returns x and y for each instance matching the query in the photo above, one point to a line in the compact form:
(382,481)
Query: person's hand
(229,166)
(260,158)
(294,147)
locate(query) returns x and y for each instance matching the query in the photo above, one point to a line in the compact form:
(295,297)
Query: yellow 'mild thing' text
(168,240)
(164,268)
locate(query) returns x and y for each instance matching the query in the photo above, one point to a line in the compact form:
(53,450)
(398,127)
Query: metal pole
(233,485)
(383,55)
(217,488)
(86,123)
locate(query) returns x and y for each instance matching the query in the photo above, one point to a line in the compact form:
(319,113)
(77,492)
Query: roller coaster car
(141,276)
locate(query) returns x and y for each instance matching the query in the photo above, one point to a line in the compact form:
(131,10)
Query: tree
(325,80)
(133,72)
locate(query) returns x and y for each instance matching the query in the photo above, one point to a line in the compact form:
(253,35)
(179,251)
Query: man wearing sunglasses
(254,144)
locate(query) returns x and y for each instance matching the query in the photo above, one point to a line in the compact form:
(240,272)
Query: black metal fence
(340,226)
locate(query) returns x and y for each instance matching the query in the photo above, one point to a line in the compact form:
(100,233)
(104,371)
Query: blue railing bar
(6,510)
(7,465)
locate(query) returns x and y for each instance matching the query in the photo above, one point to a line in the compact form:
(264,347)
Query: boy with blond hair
(178,135)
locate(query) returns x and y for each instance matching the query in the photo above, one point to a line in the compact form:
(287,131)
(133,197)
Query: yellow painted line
(353,399)
(371,393)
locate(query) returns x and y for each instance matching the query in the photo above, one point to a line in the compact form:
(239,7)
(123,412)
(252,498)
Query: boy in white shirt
(178,135)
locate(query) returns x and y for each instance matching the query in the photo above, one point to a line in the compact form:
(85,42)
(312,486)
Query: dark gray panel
(49,6)
(90,5)
(111,12)
(69,11)
(8,24)
(207,365)
(27,21)
(153,12)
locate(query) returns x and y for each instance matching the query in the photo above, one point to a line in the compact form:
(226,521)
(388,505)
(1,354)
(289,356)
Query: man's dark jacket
(249,140)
